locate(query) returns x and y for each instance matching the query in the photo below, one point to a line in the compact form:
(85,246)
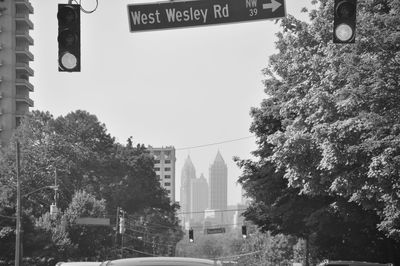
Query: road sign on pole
(219,230)
(93,221)
(177,14)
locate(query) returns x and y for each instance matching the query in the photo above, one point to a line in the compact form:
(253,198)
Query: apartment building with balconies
(14,65)
(164,166)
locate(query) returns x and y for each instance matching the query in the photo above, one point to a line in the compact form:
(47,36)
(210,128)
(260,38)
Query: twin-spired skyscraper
(197,195)
(218,184)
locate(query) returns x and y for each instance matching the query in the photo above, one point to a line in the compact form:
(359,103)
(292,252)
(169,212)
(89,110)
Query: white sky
(182,87)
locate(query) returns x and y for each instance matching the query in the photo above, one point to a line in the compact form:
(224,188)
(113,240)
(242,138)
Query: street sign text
(164,15)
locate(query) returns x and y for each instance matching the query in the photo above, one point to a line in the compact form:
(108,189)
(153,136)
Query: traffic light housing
(69,38)
(244,231)
(344,21)
(191,238)
(170,252)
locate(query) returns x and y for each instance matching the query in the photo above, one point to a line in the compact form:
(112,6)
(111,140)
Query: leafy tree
(77,150)
(328,136)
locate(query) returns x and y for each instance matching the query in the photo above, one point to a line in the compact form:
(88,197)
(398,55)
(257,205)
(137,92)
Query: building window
(167,161)
(157,161)
(167,184)
(167,176)
(168,191)
(156,168)
(167,169)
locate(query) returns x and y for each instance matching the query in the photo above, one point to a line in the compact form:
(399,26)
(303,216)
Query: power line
(215,143)
(10,217)
(142,252)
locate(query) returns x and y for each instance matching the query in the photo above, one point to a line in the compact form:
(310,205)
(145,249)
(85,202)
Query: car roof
(79,263)
(352,263)
(160,261)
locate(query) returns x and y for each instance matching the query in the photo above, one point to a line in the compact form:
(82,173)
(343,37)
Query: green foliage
(328,136)
(95,175)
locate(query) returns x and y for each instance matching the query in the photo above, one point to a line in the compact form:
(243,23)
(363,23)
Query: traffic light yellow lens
(68,61)
(343,32)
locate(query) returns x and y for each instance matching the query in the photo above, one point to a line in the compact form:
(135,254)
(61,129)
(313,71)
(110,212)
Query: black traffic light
(244,231)
(191,239)
(170,251)
(69,38)
(344,21)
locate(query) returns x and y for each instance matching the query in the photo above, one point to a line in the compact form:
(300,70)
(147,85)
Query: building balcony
(24,37)
(24,99)
(24,4)
(23,84)
(24,19)
(24,67)
(24,53)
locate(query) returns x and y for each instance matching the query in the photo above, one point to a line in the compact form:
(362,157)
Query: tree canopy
(328,135)
(94,175)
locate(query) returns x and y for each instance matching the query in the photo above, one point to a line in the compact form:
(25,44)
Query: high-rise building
(187,175)
(199,202)
(164,166)
(14,65)
(218,181)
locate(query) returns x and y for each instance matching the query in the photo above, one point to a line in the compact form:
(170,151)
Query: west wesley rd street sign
(176,14)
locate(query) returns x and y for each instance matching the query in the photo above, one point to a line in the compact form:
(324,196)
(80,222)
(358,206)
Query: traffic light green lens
(68,61)
(343,32)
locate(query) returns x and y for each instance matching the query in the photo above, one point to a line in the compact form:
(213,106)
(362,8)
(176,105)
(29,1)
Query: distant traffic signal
(69,38)
(244,231)
(170,252)
(191,238)
(344,21)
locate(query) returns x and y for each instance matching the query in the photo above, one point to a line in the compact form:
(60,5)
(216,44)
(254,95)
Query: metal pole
(55,187)
(116,228)
(122,237)
(18,214)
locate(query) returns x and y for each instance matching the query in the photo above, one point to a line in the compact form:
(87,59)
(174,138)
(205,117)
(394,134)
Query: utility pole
(18,211)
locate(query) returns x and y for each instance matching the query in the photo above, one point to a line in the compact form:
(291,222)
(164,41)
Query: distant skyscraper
(218,185)
(164,166)
(14,65)
(188,174)
(199,202)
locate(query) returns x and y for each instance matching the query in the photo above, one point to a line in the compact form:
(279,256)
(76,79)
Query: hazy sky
(183,87)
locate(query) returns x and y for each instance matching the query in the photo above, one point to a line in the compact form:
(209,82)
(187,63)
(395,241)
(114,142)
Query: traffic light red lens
(345,10)
(66,15)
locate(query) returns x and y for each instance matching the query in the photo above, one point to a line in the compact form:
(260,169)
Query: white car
(147,261)
(351,263)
